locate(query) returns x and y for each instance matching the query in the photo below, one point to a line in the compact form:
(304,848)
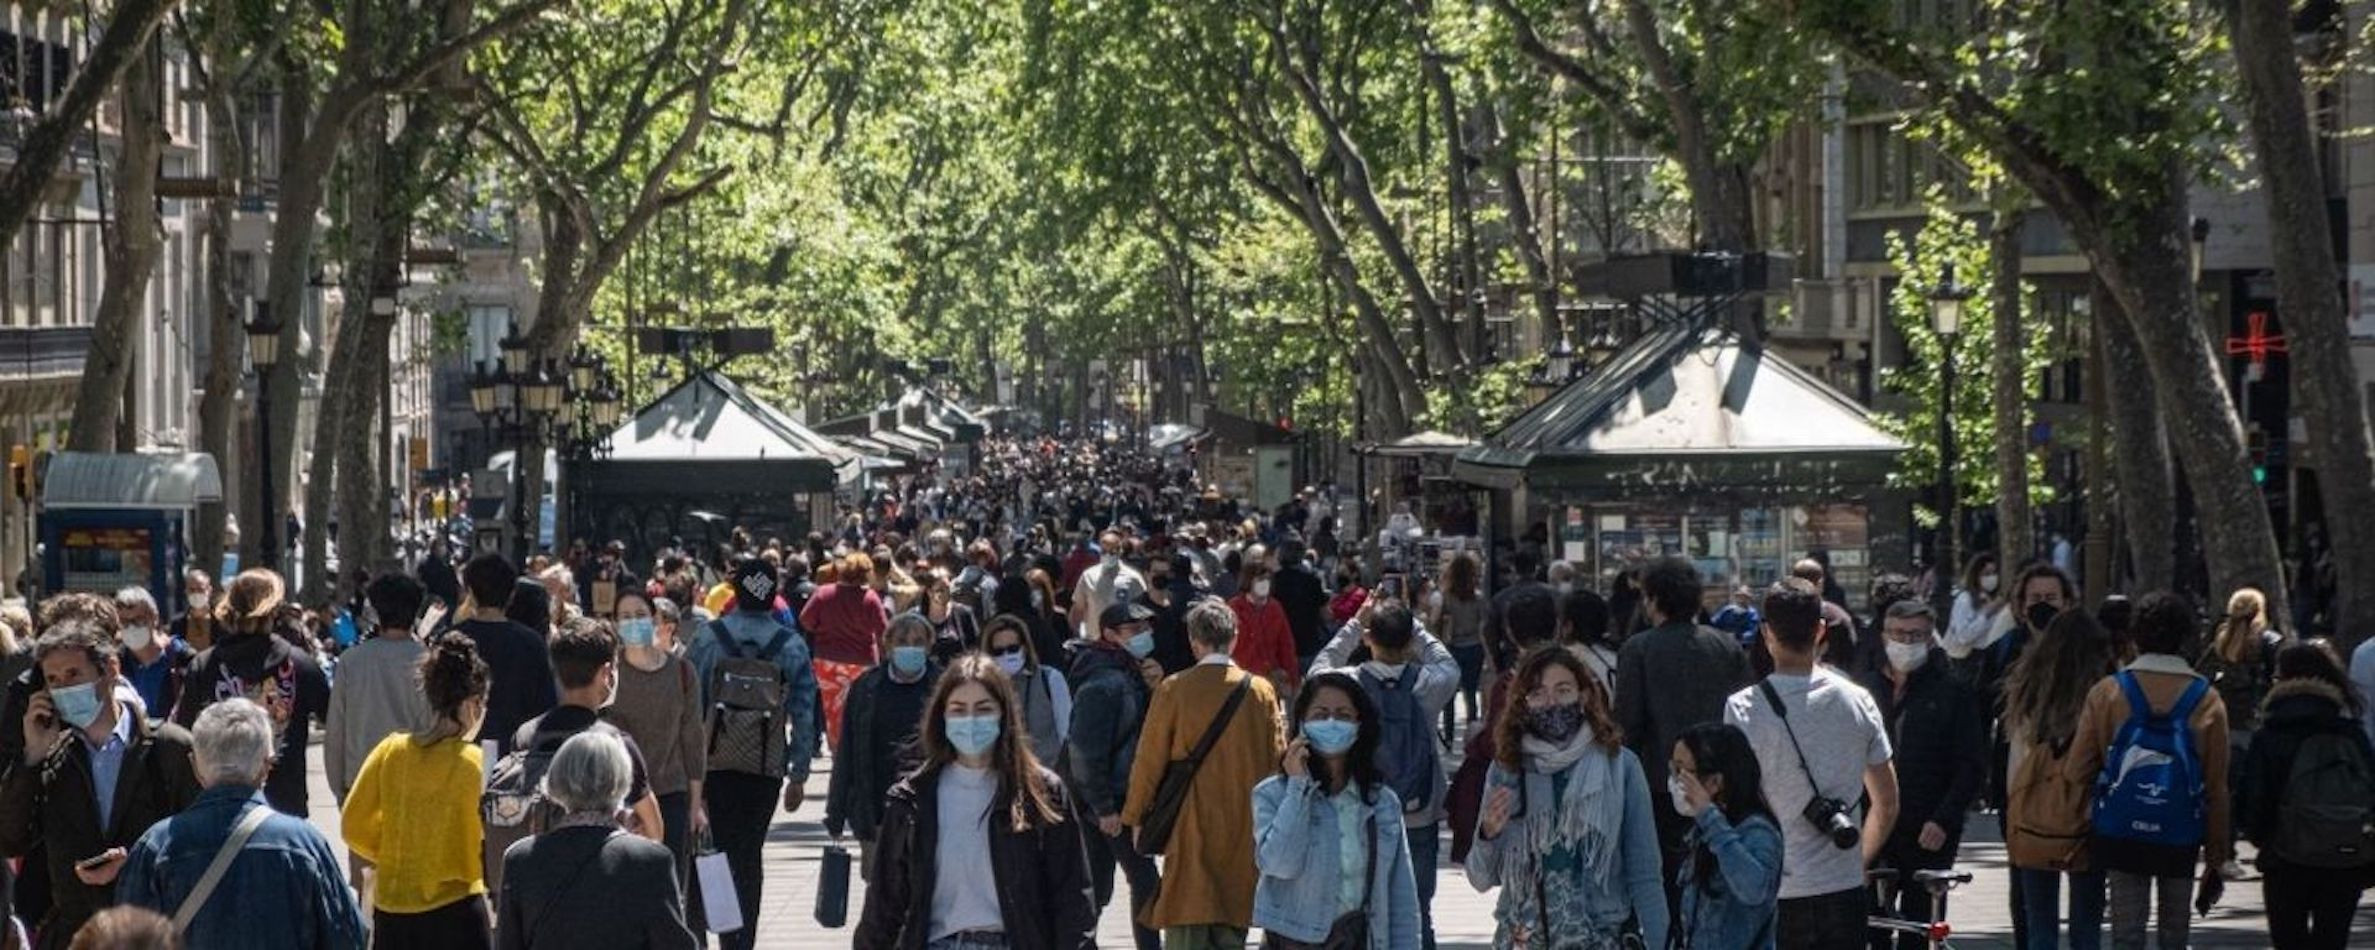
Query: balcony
(1824,310)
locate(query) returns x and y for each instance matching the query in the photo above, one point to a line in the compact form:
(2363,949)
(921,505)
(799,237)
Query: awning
(1169,436)
(179,481)
(1419,445)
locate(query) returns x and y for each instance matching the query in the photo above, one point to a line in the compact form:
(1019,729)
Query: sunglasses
(1009,651)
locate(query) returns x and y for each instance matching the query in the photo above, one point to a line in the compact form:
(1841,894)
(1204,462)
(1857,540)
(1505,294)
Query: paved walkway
(1463,918)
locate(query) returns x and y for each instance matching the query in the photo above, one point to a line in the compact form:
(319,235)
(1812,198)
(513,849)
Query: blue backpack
(1405,739)
(2150,791)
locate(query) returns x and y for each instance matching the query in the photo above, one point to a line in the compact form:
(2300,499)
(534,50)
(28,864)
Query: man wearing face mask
(1109,582)
(195,627)
(1112,676)
(150,662)
(885,706)
(93,775)
(1940,743)
(2041,593)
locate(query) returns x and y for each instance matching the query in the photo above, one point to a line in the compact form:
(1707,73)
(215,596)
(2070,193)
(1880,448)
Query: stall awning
(1420,445)
(179,481)
(1171,435)
(710,417)
(1683,408)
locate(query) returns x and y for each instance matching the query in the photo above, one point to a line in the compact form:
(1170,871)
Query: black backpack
(1406,740)
(2326,817)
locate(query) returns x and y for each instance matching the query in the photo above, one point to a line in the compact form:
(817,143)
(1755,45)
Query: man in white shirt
(1103,584)
(1817,736)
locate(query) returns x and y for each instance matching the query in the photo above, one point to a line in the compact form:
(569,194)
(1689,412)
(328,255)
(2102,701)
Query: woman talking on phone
(1328,834)
(1566,831)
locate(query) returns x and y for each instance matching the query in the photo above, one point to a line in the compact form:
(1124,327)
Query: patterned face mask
(1556,723)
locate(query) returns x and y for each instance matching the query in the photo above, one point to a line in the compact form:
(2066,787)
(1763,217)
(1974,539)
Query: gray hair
(76,633)
(129,598)
(591,773)
(1212,625)
(910,621)
(1912,609)
(665,610)
(232,743)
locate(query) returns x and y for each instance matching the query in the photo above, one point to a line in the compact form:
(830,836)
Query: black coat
(50,803)
(1669,679)
(2296,709)
(590,887)
(878,725)
(1297,588)
(265,668)
(1042,875)
(1939,745)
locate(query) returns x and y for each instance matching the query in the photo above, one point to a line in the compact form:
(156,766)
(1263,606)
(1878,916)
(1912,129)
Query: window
(489,324)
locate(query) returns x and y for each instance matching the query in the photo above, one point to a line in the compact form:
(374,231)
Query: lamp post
(1947,300)
(514,400)
(263,352)
(2201,235)
(582,432)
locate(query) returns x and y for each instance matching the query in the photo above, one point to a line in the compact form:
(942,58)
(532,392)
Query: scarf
(1587,819)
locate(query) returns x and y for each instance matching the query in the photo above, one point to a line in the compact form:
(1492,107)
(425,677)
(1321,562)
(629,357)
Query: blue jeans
(1424,845)
(1471,660)
(2041,908)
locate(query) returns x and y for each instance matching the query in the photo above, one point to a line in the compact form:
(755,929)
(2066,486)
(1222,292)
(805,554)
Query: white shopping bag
(719,903)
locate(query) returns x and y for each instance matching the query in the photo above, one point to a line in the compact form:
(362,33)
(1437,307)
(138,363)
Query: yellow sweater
(414,814)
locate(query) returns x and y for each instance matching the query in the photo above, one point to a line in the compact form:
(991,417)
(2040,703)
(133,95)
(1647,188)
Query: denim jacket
(286,890)
(1295,847)
(1733,910)
(752,631)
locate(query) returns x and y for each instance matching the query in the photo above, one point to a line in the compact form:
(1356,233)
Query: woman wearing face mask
(1328,833)
(956,629)
(414,812)
(884,706)
(1976,605)
(1265,641)
(1045,697)
(659,705)
(1566,831)
(1457,614)
(1731,882)
(979,801)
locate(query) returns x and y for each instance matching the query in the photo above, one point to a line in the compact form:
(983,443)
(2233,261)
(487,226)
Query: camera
(1830,816)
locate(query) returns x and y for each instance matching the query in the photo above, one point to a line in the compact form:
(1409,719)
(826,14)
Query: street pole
(268,535)
(1942,587)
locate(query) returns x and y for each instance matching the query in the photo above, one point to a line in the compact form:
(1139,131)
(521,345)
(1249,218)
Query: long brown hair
(1459,577)
(1509,734)
(2047,687)
(1021,784)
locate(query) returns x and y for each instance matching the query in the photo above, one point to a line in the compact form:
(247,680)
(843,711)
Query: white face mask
(1987,582)
(1907,657)
(1261,588)
(139,637)
(1682,804)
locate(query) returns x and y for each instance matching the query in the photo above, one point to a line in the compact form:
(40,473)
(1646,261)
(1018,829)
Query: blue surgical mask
(77,705)
(1330,736)
(1012,663)
(636,631)
(972,735)
(1142,645)
(907,661)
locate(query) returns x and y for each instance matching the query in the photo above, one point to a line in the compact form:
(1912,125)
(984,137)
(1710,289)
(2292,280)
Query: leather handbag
(832,888)
(1154,831)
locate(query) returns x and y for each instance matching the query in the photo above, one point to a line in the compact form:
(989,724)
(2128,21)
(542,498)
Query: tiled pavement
(1463,918)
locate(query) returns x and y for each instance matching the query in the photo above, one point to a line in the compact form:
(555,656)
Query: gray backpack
(746,696)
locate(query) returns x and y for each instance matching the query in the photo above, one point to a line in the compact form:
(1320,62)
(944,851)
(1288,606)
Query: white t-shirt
(963,898)
(1098,589)
(1840,729)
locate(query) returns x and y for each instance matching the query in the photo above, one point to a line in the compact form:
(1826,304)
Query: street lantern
(263,352)
(1559,365)
(543,393)
(483,385)
(607,407)
(263,336)
(515,353)
(584,368)
(1947,300)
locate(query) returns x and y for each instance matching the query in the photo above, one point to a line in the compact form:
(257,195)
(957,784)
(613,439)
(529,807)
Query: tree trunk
(331,420)
(129,26)
(1456,176)
(1524,234)
(304,171)
(218,404)
(2143,258)
(1719,189)
(2015,537)
(2307,281)
(132,248)
(2139,451)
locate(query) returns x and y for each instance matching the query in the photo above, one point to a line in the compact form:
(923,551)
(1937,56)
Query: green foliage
(1950,247)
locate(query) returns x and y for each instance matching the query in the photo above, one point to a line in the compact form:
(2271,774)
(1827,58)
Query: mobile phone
(1390,587)
(96,861)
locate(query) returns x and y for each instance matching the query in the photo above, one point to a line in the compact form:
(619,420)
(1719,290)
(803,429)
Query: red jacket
(844,624)
(1264,641)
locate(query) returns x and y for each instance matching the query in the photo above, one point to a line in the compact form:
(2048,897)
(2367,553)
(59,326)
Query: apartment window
(489,324)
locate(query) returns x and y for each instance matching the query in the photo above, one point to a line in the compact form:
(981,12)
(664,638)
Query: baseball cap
(1123,613)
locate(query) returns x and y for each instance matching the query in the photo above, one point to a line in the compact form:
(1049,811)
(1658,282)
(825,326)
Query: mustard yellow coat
(1208,870)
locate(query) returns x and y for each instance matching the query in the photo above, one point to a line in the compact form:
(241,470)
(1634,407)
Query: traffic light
(2256,442)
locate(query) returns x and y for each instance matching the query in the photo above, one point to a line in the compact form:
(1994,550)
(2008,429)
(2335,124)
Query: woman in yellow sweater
(414,814)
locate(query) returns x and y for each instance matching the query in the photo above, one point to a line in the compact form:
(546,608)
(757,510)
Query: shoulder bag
(1154,831)
(221,865)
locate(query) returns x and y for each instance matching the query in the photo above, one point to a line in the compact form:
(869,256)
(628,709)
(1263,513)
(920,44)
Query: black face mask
(2040,616)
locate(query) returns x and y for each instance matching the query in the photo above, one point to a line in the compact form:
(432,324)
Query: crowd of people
(1094,679)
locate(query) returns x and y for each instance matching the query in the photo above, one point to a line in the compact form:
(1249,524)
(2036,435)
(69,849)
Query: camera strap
(1773,698)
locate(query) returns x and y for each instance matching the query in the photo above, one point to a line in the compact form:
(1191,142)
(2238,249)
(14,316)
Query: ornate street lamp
(263,353)
(1947,301)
